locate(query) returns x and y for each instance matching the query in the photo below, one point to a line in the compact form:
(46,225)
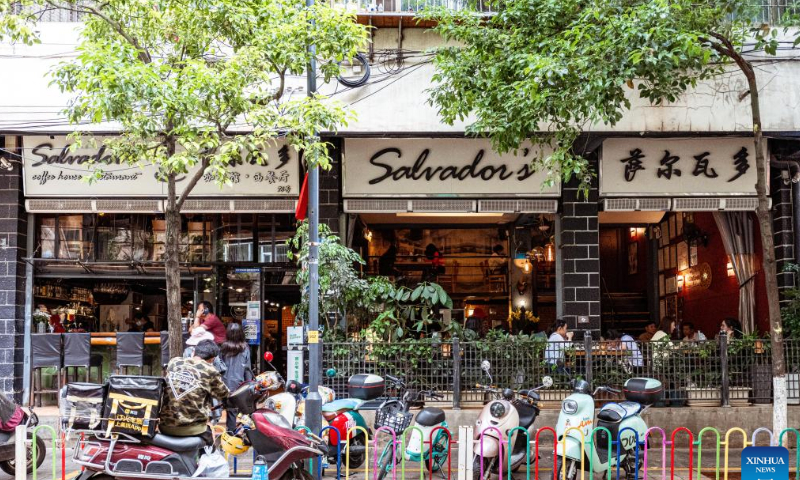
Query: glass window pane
(47,237)
(235,238)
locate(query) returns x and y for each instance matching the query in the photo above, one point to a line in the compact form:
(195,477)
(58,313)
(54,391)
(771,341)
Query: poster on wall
(673,229)
(660,255)
(679,222)
(683,256)
(662,290)
(664,233)
(671,285)
(693,255)
(633,258)
(673,253)
(672,306)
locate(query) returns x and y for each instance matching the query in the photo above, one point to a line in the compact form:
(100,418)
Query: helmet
(232,445)
(582,386)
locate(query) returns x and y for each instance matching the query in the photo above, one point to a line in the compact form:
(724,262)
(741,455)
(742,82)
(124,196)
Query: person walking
(235,353)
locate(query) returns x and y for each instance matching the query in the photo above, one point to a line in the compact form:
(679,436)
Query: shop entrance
(697,268)
(495,267)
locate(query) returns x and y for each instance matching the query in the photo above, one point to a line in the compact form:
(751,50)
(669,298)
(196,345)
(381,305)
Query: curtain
(736,229)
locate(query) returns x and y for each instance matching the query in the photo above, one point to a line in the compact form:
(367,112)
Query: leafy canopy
(550,68)
(191,74)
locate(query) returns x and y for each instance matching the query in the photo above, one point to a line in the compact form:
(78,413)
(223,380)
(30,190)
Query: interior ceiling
(439,219)
(638,218)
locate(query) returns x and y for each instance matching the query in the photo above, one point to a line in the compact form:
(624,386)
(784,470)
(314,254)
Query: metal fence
(708,373)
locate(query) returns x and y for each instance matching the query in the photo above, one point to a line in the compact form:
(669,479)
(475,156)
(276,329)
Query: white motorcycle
(622,420)
(498,417)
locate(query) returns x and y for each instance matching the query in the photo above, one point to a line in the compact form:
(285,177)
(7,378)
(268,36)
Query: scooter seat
(430,416)
(342,404)
(177,444)
(616,412)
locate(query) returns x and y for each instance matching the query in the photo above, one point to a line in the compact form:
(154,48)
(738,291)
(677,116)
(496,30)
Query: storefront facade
(94,251)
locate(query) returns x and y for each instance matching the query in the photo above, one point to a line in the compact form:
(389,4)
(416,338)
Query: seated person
(191,385)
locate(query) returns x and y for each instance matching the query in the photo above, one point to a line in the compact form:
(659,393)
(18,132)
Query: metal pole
(455,352)
(313,400)
(723,357)
(587,345)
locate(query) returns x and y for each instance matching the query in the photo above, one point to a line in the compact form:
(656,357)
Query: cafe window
(273,233)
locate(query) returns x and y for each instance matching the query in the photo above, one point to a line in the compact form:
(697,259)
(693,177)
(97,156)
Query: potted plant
(40,320)
(704,379)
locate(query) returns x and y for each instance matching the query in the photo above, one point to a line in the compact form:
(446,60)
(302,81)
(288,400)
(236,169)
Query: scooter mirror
(547,382)
(330,373)
(486,366)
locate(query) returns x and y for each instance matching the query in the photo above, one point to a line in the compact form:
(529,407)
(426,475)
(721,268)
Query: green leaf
(416,294)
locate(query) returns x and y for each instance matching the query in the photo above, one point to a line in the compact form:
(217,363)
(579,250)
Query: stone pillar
(13,241)
(784,232)
(580,259)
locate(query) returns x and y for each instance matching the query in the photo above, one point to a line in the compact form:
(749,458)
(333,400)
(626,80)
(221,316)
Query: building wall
(13,243)
(580,257)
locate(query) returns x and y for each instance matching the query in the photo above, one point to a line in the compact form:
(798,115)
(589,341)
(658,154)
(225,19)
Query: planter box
(739,396)
(551,399)
(703,397)
(793,388)
(712,397)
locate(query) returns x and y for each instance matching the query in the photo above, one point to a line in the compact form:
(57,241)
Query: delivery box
(133,404)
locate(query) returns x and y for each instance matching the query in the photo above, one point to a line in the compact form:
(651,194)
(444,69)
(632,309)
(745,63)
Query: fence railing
(707,373)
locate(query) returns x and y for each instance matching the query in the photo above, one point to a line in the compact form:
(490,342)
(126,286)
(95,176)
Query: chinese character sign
(678,166)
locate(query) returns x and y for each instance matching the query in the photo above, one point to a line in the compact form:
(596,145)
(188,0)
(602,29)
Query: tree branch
(192,182)
(143,54)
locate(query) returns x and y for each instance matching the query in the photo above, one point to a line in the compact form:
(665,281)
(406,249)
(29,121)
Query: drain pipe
(794,178)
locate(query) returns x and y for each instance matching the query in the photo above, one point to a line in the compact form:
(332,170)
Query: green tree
(549,68)
(180,78)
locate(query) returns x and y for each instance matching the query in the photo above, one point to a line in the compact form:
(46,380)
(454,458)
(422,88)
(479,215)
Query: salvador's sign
(51,169)
(441,167)
(678,166)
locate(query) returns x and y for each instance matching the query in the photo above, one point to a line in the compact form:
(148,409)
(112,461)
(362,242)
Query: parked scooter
(623,420)
(8,461)
(175,458)
(395,415)
(504,413)
(343,415)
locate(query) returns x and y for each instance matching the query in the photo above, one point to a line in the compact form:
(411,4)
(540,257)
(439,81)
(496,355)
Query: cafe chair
(495,281)
(45,353)
(130,351)
(449,278)
(77,354)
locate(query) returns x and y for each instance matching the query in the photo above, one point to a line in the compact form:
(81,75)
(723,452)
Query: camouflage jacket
(191,384)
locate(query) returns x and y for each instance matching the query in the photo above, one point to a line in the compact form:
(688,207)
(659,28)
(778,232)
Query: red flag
(302,202)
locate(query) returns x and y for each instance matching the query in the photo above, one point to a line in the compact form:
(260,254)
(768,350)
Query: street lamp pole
(313,400)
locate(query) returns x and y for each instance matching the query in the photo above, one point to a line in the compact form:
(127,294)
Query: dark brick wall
(13,240)
(783,230)
(580,256)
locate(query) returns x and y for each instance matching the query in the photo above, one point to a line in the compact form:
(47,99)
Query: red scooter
(166,457)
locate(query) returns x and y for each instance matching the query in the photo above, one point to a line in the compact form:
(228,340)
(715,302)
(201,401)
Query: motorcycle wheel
(385,462)
(10,466)
(439,452)
(571,467)
(488,464)
(356,459)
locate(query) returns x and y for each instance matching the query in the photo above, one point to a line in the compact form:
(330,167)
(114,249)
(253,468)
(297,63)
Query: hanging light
(550,251)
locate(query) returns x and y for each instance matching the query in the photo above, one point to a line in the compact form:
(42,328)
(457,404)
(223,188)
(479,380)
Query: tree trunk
(779,413)
(173,270)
